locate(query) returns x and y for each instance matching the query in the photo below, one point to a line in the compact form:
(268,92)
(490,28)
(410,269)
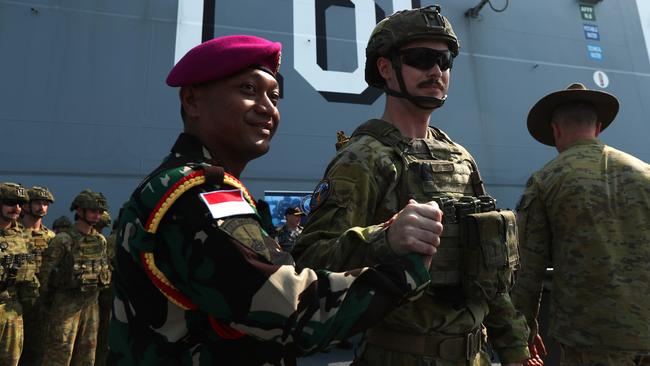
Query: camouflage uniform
(366,184)
(35,316)
(586,214)
(105,305)
(287,238)
(18,283)
(75,268)
(190,289)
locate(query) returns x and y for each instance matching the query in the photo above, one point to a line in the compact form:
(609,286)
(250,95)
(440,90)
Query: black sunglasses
(423,58)
(12,202)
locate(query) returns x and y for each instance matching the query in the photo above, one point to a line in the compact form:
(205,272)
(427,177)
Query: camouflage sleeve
(52,256)
(231,281)
(342,232)
(507,330)
(534,246)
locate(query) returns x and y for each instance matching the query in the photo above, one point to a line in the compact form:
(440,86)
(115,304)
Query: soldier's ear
(188,97)
(385,68)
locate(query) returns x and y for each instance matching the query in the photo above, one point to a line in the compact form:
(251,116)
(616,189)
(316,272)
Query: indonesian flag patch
(226,203)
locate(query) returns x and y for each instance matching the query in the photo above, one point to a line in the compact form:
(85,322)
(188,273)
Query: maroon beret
(225,56)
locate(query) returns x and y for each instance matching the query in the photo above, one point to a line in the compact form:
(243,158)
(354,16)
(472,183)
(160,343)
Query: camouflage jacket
(344,231)
(287,238)
(587,214)
(193,286)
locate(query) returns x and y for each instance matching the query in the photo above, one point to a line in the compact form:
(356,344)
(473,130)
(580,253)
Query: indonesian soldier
(398,159)
(197,280)
(586,213)
(18,282)
(39,236)
(75,268)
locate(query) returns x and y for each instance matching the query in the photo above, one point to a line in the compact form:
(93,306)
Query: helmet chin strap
(420,101)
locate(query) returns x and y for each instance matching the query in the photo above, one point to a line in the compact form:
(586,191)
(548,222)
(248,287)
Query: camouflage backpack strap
(382,131)
(184,179)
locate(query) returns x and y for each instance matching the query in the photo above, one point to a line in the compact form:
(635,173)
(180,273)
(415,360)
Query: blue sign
(591,32)
(595,52)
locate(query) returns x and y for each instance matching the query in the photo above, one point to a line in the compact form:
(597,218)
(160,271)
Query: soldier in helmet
(75,269)
(61,223)
(39,237)
(18,282)
(399,160)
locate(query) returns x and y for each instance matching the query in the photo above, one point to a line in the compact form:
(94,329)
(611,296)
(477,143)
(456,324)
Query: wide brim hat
(539,117)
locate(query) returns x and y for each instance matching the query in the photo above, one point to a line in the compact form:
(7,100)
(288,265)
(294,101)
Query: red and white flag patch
(226,203)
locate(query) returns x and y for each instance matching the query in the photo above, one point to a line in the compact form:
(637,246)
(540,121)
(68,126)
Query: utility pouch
(490,253)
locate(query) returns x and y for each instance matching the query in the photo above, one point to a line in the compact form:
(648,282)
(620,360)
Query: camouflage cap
(401,28)
(40,193)
(13,191)
(61,223)
(89,200)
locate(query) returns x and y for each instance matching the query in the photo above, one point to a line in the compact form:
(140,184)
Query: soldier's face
(39,208)
(432,82)
(10,211)
(237,117)
(91,216)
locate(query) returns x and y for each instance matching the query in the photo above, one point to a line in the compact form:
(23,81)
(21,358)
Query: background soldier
(586,214)
(106,294)
(398,159)
(197,280)
(75,268)
(61,223)
(18,283)
(288,233)
(39,237)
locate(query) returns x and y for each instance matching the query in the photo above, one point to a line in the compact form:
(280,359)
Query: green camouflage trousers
(376,356)
(573,356)
(11,333)
(105,303)
(72,330)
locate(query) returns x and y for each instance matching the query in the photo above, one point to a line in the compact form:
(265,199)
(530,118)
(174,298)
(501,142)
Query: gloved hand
(537,350)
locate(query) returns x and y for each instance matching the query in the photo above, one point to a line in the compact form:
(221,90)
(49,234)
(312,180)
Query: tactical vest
(478,251)
(16,263)
(85,265)
(39,240)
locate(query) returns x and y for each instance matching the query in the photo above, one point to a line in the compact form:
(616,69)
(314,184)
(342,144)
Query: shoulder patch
(320,194)
(226,203)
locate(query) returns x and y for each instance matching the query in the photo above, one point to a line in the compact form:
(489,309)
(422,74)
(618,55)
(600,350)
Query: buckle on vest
(472,343)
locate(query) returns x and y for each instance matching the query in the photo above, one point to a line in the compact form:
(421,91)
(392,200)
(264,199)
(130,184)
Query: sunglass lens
(424,58)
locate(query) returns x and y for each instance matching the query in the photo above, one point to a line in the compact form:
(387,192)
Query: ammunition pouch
(479,250)
(447,347)
(490,253)
(40,245)
(16,268)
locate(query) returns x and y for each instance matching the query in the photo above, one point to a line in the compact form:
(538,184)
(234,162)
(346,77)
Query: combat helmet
(61,223)
(88,199)
(396,31)
(13,192)
(40,193)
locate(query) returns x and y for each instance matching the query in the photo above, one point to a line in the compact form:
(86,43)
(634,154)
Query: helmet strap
(419,101)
